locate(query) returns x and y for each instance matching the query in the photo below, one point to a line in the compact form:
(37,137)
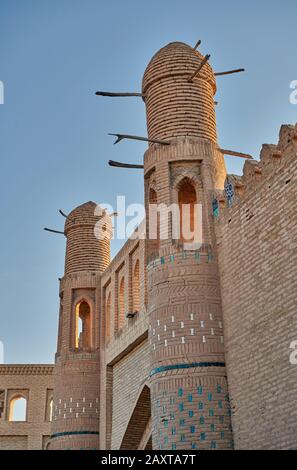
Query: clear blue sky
(54,54)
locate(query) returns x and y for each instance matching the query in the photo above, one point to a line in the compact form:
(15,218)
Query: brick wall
(36,383)
(257,240)
(129,375)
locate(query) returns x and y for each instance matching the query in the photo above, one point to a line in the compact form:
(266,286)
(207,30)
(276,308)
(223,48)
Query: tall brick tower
(190,407)
(75,422)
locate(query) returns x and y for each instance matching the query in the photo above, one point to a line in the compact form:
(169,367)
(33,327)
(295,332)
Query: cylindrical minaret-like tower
(75,422)
(190,407)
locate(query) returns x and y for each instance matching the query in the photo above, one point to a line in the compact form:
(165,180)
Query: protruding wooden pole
(202,63)
(197,45)
(63,213)
(54,231)
(136,137)
(111,94)
(124,165)
(235,154)
(228,72)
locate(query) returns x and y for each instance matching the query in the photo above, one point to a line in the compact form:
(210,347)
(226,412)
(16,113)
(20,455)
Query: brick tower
(190,406)
(75,422)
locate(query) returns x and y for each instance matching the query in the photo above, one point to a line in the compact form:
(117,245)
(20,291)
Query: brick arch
(89,321)
(138,421)
(13,399)
(187,175)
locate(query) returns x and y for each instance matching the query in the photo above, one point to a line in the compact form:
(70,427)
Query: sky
(54,143)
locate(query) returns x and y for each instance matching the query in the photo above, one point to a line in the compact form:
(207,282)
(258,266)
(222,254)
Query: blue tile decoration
(209,256)
(186,366)
(208,407)
(73,433)
(213,445)
(215,208)
(229,192)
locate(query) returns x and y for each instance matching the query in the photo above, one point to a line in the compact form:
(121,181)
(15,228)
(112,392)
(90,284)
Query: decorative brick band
(157,370)
(73,433)
(26,369)
(205,251)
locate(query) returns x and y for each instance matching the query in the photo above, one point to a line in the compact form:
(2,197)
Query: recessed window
(136,288)
(17,409)
(2,401)
(108,316)
(83,325)
(187,204)
(121,303)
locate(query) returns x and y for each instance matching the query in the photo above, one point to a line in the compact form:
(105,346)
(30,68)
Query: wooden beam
(228,72)
(124,165)
(197,45)
(235,154)
(111,94)
(54,231)
(136,137)
(63,213)
(202,63)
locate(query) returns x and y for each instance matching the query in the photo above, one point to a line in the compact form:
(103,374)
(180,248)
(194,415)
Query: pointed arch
(83,325)
(154,223)
(51,410)
(17,408)
(187,200)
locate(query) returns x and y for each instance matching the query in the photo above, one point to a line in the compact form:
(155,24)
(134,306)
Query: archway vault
(138,431)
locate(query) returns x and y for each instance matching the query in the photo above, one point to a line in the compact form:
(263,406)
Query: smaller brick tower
(76,381)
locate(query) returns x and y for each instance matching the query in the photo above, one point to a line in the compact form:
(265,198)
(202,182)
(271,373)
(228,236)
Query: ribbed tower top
(84,250)
(175,106)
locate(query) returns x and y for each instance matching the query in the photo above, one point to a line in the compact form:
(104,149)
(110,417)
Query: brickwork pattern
(129,375)
(36,381)
(258,256)
(174,106)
